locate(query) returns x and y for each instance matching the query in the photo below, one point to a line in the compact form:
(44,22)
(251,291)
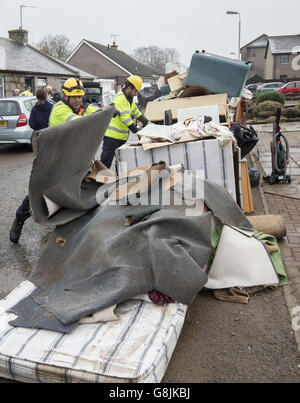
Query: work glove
(117,112)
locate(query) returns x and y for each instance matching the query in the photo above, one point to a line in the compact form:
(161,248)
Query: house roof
(126,62)
(255,78)
(284,44)
(83,74)
(259,42)
(17,57)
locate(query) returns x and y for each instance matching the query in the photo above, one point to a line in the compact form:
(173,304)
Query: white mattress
(135,348)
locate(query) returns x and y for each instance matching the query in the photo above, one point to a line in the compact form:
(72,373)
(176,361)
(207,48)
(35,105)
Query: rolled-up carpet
(269,224)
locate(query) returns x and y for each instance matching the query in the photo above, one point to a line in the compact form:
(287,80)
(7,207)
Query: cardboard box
(214,162)
(155,110)
(175,83)
(208,110)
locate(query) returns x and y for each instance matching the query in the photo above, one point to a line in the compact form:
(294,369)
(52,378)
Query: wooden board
(224,111)
(246,188)
(155,110)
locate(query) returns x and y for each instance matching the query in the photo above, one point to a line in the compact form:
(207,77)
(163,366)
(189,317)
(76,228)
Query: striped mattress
(135,348)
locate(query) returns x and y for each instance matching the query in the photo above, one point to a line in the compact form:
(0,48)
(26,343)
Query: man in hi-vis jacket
(117,132)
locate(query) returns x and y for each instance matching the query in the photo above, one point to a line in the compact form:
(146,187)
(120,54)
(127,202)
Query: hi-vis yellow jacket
(61,112)
(26,93)
(119,125)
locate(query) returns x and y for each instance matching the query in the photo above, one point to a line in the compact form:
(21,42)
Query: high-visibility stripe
(70,117)
(119,125)
(117,130)
(88,109)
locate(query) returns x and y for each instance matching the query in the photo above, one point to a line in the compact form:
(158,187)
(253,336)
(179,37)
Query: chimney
(19,35)
(114,46)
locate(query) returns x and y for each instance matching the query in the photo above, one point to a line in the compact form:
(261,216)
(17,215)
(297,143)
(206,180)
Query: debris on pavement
(142,242)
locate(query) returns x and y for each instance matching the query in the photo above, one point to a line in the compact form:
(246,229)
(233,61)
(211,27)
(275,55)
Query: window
(41,82)
(1,87)
(29,82)
(9,108)
(29,104)
(284,59)
(251,52)
(93,91)
(283,78)
(252,86)
(292,85)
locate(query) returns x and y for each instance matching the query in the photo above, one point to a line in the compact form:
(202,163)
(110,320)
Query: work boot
(16,230)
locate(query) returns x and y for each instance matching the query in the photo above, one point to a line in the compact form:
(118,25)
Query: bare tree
(58,46)
(156,57)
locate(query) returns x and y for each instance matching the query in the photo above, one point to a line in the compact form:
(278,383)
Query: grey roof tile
(284,44)
(82,73)
(17,57)
(262,43)
(124,60)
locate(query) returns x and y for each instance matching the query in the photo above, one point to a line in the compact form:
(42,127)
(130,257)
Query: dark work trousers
(108,150)
(23,211)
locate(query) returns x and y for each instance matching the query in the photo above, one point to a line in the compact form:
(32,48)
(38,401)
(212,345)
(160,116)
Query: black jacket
(56,97)
(39,116)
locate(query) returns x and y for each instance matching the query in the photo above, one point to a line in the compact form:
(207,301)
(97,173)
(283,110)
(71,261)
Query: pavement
(220,341)
(260,342)
(284,199)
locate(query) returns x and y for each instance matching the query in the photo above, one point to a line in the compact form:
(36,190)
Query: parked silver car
(14,120)
(269,87)
(253,87)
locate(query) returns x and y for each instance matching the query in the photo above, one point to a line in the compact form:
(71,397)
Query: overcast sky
(185,25)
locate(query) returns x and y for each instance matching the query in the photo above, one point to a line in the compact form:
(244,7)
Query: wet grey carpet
(102,262)
(64,155)
(33,315)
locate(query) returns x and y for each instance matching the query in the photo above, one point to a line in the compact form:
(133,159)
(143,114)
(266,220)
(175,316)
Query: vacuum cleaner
(280,155)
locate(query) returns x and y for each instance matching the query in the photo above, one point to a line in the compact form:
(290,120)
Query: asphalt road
(220,341)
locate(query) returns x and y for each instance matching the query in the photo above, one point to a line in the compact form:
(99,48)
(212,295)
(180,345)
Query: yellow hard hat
(73,87)
(136,81)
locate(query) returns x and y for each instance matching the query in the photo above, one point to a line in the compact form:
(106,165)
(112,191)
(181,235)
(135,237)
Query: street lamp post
(237,13)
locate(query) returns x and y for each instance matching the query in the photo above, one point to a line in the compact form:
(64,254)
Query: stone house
(22,65)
